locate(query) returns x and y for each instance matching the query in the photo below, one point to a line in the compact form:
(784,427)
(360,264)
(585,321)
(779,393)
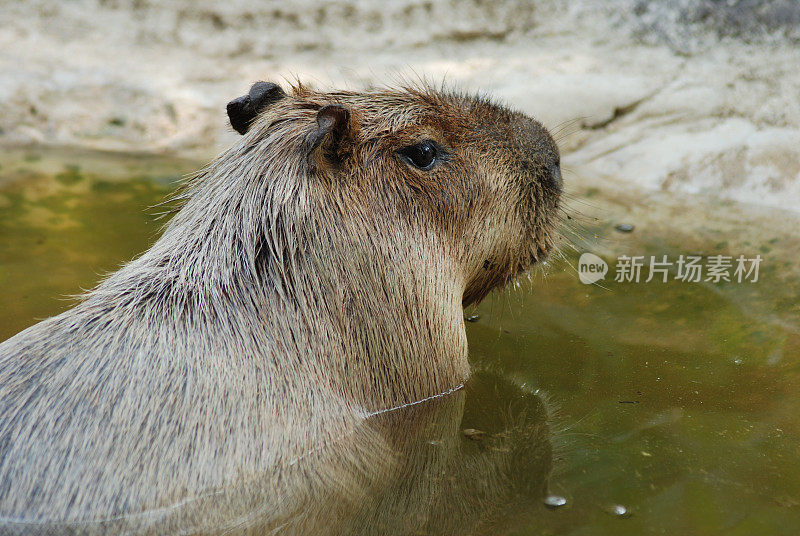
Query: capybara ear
(243,110)
(332,136)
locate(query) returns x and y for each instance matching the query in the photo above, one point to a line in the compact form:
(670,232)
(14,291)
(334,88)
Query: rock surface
(693,96)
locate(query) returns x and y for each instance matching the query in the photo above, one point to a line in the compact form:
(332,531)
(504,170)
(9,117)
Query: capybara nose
(554,180)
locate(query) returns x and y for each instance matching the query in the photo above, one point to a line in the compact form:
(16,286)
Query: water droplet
(737,361)
(554,501)
(619,510)
(473,318)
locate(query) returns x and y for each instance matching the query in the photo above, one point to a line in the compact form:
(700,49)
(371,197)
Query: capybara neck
(347,292)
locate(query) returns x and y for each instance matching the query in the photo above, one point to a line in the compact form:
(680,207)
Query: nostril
(555,176)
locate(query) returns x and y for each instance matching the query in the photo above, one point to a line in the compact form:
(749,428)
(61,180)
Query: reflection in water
(413,471)
(409,471)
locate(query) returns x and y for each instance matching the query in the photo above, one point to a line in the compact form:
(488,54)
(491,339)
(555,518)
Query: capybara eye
(422,155)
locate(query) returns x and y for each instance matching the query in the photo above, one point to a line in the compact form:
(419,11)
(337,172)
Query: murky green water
(677,403)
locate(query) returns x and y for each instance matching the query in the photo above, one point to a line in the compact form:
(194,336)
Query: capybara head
(485,179)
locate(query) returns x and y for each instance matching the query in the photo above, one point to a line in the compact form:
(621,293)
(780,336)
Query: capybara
(315,274)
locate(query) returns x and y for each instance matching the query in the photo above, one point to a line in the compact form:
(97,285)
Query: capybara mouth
(540,216)
(496,273)
(539,252)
